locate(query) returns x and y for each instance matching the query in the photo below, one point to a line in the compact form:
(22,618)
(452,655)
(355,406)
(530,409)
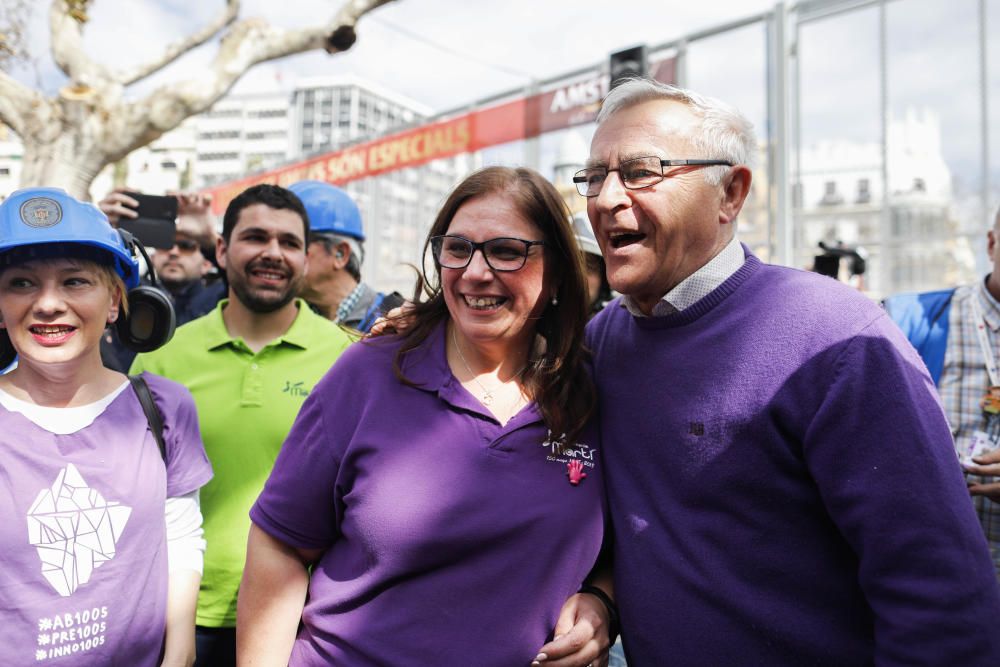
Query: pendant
(488,398)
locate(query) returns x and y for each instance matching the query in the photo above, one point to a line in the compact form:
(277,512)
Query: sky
(446,54)
(441,53)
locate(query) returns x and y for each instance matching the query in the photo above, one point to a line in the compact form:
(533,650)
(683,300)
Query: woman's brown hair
(557,379)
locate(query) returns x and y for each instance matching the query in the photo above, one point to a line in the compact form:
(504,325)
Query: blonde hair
(110,279)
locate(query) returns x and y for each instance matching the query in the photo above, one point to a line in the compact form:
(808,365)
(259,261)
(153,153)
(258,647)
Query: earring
(555,300)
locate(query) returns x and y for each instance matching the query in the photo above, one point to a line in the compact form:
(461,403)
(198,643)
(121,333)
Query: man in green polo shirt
(249,363)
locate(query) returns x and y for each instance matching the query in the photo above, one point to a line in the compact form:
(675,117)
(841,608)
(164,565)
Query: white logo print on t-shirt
(74,530)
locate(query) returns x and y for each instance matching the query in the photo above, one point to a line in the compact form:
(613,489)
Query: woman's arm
(272,593)
(185,559)
(182,599)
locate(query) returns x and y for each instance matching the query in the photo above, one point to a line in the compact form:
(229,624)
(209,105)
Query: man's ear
(991,243)
(735,188)
(341,254)
(220,252)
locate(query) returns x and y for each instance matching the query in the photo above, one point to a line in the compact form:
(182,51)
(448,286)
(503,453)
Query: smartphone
(156,225)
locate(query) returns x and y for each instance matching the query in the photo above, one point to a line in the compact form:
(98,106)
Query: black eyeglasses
(501,254)
(637,173)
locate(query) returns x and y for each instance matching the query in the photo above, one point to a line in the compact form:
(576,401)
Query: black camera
(828,264)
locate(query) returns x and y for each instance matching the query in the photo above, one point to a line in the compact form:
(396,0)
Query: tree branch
(16,103)
(177,49)
(66,37)
(246,44)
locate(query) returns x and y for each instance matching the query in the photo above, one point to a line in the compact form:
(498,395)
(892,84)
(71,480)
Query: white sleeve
(185,541)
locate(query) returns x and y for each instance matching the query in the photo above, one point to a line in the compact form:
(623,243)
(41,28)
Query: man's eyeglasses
(186,246)
(638,173)
(501,254)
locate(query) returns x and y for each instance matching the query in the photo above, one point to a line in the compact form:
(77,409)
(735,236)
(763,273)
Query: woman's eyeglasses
(501,254)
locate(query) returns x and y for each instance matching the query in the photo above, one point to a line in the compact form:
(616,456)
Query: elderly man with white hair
(780,475)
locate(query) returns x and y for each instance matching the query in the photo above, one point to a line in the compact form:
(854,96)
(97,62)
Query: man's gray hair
(725,132)
(357,257)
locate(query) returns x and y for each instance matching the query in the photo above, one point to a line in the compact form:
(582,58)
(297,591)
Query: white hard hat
(585,235)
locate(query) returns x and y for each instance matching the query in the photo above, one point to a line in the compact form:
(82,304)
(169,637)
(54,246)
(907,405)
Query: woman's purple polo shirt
(449,538)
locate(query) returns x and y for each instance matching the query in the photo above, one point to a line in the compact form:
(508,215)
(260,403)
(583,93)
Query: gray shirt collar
(699,284)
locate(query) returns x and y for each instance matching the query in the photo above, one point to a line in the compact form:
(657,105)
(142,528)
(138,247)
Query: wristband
(609,604)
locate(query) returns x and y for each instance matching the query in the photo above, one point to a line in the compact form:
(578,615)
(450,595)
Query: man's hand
(116,205)
(194,217)
(987,465)
(581,635)
(192,203)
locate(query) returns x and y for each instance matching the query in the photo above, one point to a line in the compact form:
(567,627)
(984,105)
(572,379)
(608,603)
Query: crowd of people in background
(578,427)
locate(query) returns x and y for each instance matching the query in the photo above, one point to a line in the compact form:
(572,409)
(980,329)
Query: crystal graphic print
(74,529)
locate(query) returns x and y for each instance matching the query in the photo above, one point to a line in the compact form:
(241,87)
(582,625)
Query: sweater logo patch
(74,529)
(696,428)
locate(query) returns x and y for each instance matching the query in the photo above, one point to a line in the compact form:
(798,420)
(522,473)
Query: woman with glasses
(442,484)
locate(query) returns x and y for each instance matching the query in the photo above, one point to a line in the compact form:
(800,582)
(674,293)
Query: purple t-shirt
(449,539)
(82,535)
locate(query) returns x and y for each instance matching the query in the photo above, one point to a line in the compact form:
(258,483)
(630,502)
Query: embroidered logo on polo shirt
(296,389)
(577,457)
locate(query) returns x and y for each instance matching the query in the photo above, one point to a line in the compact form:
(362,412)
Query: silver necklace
(487,398)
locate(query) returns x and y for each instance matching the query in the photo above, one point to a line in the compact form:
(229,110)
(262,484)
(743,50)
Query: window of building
(209,157)
(864,191)
(267,113)
(268,134)
(224,113)
(220,134)
(830,195)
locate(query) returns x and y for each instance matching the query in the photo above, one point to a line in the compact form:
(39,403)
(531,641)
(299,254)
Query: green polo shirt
(246,405)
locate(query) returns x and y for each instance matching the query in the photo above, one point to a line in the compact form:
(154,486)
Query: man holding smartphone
(184,266)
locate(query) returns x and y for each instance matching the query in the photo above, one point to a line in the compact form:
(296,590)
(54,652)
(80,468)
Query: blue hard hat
(45,216)
(330,209)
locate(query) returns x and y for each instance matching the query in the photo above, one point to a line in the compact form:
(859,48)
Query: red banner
(567,106)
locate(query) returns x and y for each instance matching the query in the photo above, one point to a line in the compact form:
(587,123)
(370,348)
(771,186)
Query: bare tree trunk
(62,164)
(66,141)
(70,138)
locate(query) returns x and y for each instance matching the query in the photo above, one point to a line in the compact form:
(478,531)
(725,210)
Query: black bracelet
(613,621)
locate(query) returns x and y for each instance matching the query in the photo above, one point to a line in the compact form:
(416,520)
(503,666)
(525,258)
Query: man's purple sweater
(783,487)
